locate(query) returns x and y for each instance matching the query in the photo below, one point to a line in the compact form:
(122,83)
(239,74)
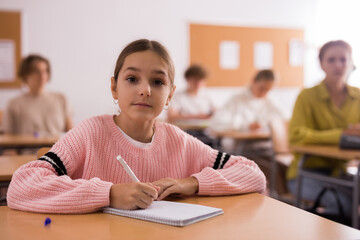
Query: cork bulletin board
(10,48)
(275,43)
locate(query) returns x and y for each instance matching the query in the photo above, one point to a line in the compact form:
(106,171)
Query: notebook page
(171,213)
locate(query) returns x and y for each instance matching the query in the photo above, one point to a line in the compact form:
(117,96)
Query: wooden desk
(9,164)
(241,135)
(251,216)
(26,141)
(331,151)
(192,124)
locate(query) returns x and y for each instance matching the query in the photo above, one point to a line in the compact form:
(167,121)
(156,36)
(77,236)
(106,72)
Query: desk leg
(355,200)
(299,180)
(273,174)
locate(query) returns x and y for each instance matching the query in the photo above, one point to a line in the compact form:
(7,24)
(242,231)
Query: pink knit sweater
(76,175)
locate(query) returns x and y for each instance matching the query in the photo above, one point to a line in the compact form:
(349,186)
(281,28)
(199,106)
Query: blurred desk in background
(330,151)
(26,141)
(8,165)
(192,124)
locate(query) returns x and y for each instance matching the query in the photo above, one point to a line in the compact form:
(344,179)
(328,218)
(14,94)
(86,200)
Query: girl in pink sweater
(81,174)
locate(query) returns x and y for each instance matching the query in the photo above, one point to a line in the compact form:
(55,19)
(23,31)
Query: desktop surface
(249,216)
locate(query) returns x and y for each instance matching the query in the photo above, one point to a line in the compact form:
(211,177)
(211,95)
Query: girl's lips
(142,104)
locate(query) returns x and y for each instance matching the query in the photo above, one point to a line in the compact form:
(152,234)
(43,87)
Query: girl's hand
(132,195)
(183,186)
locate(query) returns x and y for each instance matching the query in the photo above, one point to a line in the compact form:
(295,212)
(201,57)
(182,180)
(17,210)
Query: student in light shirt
(192,105)
(250,110)
(37,111)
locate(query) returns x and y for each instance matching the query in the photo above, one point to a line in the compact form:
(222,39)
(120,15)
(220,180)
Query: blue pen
(47,221)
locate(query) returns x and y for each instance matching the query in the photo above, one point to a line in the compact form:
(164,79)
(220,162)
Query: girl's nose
(145,90)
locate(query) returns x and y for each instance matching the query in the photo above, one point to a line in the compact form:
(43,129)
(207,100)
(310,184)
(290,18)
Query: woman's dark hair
(27,65)
(330,44)
(144,45)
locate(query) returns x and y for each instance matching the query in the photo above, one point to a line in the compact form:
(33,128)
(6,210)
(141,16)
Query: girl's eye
(158,82)
(131,79)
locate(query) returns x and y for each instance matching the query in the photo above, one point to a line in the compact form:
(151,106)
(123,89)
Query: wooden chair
(281,160)
(42,151)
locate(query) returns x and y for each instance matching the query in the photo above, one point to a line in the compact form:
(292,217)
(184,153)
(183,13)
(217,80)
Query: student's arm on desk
(239,175)
(223,174)
(217,173)
(305,135)
(38,187)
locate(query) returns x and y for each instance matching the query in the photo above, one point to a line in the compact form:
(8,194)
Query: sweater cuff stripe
(217,161)
(227,157)
(221,160)
(55,161)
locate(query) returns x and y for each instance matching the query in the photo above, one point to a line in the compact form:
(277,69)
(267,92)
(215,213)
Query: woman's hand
(353,129)
(254,126)
(183,186)
(132,195)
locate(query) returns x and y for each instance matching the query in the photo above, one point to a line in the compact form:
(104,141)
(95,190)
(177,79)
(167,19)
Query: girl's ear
(113,88)
(171,94)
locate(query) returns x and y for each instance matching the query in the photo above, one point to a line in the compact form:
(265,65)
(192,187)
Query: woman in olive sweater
(320,116)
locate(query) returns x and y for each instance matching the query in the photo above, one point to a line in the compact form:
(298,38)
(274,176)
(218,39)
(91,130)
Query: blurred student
(252,109)
(320,116)
(192,105)
(37,111)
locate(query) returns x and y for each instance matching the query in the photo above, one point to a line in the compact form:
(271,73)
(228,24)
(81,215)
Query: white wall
(82,38)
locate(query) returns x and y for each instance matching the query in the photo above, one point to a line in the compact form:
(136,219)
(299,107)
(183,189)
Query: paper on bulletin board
(263,55)
(296,52)
(229,55)
(7,60)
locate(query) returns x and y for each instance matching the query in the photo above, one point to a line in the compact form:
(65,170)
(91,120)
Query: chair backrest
(279,136)
(42,151)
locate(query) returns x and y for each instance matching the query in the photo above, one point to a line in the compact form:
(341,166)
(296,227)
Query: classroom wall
(83,38)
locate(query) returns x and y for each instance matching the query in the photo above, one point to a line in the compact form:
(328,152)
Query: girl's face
(38,78)
(260,88)
(143,86)
(195,84)
(336,63)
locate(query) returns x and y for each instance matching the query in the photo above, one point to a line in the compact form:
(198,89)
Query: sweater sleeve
(302,128)
(224,174)
(238,175)
(53,184)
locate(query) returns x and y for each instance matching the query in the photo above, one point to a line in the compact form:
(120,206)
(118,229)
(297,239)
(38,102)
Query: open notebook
(170,213)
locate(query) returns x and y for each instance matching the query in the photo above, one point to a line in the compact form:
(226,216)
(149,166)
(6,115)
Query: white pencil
(127,169)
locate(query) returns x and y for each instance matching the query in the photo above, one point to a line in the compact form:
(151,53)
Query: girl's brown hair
(330,44)
(144,45)
(264,75)
(27,65)
(195,71)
